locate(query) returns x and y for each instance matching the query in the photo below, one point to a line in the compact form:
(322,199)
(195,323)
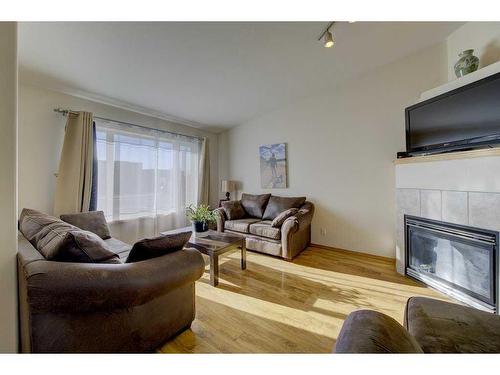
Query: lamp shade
(228,186)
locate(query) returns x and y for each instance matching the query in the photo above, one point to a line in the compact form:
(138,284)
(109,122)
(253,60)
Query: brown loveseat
(430,326)
(104,307)
(255,215)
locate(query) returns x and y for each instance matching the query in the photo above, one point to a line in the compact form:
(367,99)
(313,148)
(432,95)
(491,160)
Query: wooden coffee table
(214,244)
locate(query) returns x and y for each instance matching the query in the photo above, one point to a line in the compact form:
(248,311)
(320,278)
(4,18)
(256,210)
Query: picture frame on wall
(273,166)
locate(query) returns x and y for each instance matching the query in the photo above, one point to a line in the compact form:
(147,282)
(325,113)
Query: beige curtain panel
(204,174)
(74,178)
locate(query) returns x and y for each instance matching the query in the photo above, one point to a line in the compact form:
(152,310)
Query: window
(145,173)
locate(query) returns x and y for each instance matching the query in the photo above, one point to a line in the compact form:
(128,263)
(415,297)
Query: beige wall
(41,133)
(8,182)
(341,145)
(483,37)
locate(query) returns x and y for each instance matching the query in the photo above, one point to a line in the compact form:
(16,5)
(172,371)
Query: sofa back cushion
(149,248)
(233,210)
(60,241)
(280,219)
(254,205)
(277,205)
(93,221)
(32,222)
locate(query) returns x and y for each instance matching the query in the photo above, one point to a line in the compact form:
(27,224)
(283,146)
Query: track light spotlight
(327,36)
(328,39)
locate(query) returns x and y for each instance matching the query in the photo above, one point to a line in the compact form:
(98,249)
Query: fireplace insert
(460,261)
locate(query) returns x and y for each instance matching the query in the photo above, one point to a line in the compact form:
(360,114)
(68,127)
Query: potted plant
(200,216)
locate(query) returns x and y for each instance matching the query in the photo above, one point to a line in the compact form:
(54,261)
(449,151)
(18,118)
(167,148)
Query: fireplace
(457,260)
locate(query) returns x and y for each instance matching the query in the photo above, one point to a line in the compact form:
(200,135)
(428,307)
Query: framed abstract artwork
(273,166)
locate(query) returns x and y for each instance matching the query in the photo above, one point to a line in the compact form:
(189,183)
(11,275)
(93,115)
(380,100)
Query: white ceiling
(216,75)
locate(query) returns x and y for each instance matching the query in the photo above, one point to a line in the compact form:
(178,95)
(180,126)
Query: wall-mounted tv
(464,118)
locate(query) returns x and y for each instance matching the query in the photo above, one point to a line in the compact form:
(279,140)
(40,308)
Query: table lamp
(228,186)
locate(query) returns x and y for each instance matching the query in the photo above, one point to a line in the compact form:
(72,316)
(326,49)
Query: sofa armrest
(220,217)
(295,231)
(367,331)
(60,287)
(300,221)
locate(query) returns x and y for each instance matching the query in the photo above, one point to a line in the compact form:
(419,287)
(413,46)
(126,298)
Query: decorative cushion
(264,229)
(31,222)
(52,239)
(254,205)
(233,210)
(149,248)
(60,241)
(30,212)
(93,221)
(280,219)
(43,231)
(277,205)
(240,225)
(87,247)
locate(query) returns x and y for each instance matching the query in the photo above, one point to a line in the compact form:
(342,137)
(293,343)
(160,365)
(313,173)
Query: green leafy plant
(202,213)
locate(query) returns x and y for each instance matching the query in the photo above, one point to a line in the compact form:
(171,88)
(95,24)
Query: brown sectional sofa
(68,307)
(286,240)
(430,326)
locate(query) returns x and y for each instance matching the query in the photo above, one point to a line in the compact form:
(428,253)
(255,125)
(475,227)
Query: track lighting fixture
(327,37)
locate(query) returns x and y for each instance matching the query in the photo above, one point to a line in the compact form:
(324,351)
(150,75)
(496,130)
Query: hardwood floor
(276,306)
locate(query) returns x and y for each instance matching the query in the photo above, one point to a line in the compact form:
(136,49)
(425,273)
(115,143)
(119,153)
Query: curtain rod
(66,112)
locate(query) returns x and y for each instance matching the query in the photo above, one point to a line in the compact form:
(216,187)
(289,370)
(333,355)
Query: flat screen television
(464,118)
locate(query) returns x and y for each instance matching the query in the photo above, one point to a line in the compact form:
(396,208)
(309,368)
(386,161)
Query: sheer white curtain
(146,178)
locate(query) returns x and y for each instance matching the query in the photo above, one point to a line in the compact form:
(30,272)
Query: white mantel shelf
(462,81)
(450,156)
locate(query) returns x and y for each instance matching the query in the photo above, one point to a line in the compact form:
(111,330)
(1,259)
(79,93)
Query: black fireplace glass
(463,264)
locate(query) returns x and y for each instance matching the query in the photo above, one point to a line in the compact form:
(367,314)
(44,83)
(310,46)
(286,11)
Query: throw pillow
(93,221)
(87,247)
(149,248)
(31,222)
(233,210)
(60,241)
(30,212)
(277,205)
(254,205)
(280,219)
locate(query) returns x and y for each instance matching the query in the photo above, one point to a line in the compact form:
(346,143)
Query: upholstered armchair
(69,307)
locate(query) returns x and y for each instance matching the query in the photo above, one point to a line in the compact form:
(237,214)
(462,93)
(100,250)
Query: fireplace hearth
(460,261)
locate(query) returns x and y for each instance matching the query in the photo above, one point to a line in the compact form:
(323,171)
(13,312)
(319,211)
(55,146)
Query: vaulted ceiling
(214,75)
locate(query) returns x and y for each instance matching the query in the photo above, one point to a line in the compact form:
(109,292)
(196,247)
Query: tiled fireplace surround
(465,191)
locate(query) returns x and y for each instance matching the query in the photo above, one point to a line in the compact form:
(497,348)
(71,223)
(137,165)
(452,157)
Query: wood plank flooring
(276,306)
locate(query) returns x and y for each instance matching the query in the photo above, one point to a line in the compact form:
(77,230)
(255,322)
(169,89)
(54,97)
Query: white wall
(341,145)
(8,188)
(483,37)
(41,134)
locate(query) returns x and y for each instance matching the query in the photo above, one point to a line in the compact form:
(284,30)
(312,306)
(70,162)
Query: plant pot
(200,226)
